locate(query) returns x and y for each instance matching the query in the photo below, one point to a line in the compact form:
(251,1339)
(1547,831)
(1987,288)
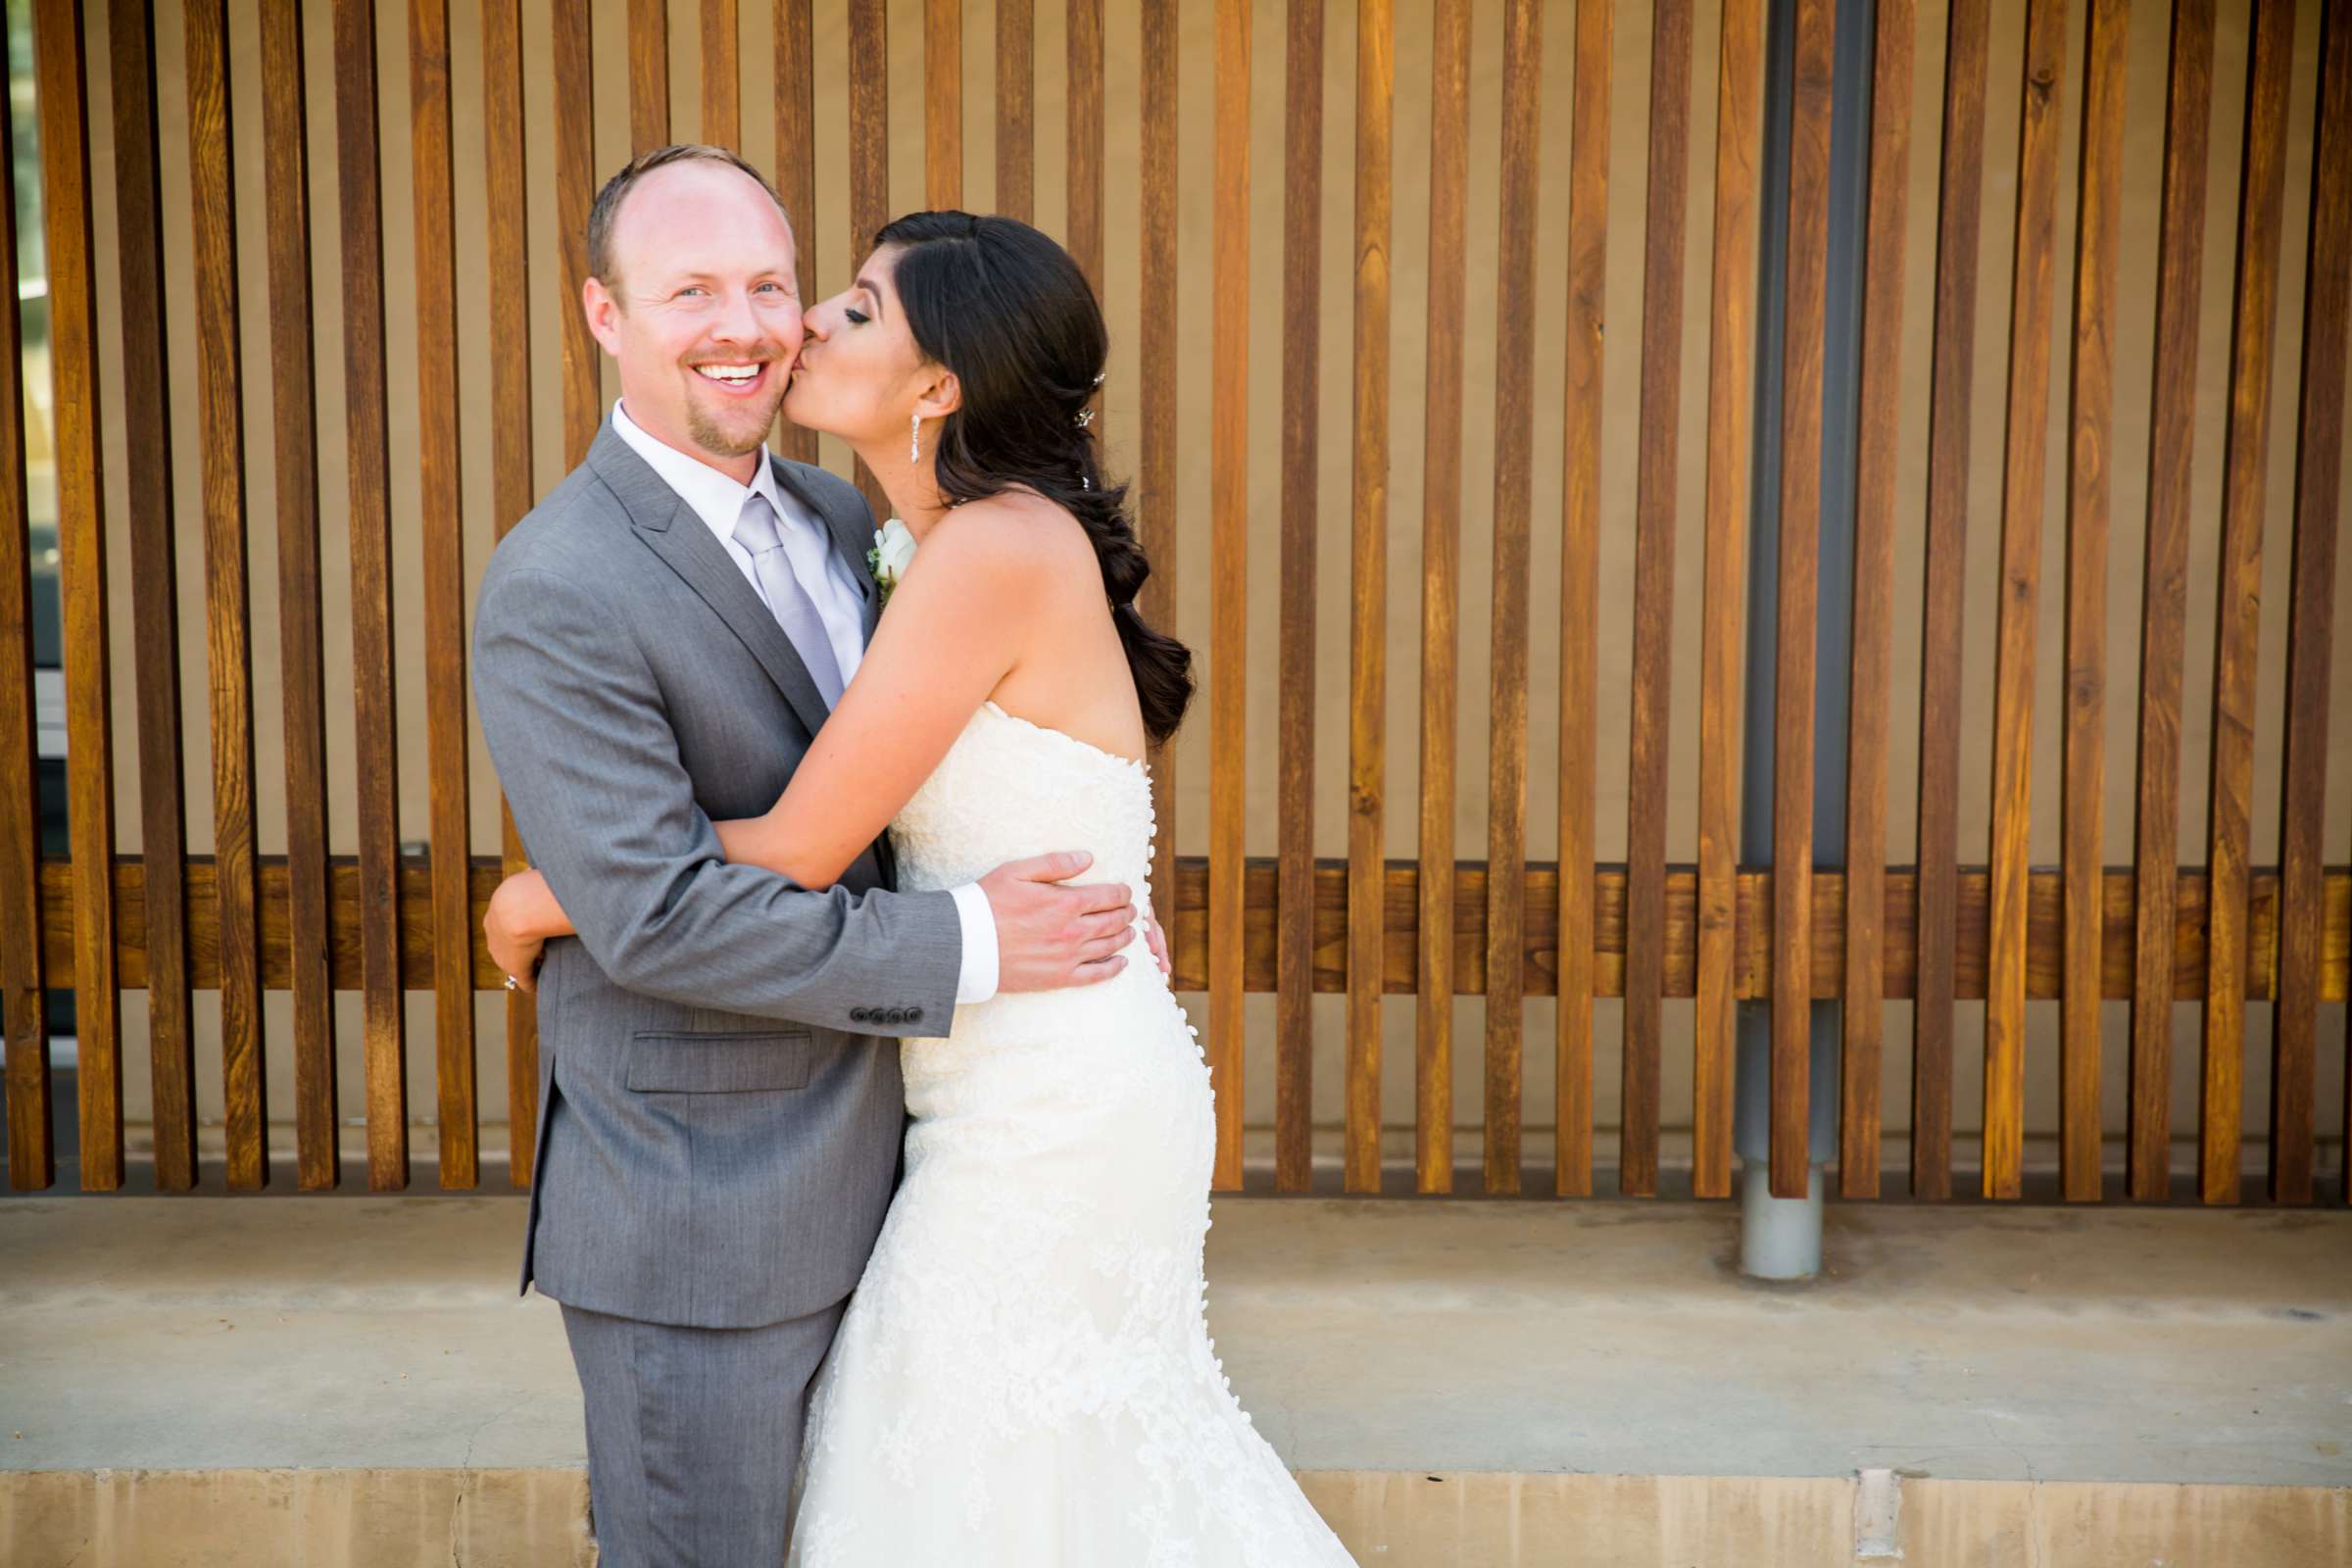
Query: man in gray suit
(719,1105)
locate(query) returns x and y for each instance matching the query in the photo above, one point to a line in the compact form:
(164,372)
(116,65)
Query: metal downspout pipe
(1781,1238)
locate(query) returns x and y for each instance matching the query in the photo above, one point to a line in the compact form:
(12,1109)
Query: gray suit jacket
(719,1124)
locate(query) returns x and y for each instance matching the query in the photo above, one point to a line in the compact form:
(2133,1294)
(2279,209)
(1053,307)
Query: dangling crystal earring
(914,439)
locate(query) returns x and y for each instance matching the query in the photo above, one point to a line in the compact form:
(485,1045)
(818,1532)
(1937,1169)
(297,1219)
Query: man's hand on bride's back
(1049,936)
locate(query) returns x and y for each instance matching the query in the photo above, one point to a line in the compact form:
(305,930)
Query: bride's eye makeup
(857,318)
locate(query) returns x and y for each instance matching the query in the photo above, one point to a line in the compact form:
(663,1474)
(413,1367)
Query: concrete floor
(1960,1343)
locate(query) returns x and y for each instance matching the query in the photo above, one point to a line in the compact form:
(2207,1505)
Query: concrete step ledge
(537,1518)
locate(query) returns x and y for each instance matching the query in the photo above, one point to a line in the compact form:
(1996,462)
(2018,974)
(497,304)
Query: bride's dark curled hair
(1007,310)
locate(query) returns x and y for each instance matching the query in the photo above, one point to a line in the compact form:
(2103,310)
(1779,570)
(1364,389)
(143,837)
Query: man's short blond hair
(607,209)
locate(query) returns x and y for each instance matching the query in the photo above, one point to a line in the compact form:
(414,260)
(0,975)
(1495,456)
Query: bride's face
(860,375)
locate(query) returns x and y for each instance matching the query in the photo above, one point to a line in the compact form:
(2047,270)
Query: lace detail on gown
(1025,1375)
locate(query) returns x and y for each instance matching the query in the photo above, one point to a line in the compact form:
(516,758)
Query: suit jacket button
(915,1014)
(861,1014)
(899,1014)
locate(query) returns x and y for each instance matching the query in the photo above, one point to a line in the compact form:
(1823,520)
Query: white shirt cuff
(978,980)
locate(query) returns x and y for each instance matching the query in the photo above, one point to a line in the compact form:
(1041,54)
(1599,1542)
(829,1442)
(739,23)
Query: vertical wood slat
(24,1011)
(1294,661)
(796,171)
(723,76)
(943,104)
(1017,109)
(1952,380)
(1654,469)
(649,75)
(2091,426)
(227,601)
(575,189)
(1156,407)
(285,146)
(1730,376)
(1863,1046)
(1580,590)
(2311,626)
(1441,596)
(1506,744)
(2024,472)
(2238,618)
(444,584)
(2164,599)
(374,713)
(154,576)
(1368,580)
(511,486)
(62,90)
(1800,590)
(1084,115)
(1229,504)
(869,161)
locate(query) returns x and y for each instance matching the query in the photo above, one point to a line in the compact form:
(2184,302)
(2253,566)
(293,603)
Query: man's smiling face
(703,312)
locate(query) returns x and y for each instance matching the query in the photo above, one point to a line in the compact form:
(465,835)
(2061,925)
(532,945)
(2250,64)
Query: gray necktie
(787,599)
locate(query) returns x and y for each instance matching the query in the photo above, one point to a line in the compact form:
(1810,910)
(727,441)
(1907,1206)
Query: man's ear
(603,311)
(942,397)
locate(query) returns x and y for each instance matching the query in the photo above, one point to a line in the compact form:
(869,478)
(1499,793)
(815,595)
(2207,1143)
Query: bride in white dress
(1024,1374)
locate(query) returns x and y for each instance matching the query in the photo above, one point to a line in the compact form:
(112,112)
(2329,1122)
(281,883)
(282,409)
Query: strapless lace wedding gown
(1024,1376)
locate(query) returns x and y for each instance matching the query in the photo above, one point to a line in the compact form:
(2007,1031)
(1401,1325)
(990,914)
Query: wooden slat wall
(1293,925)
(2165,588)
(1514,436)
(511,483)
(154,574)
(439,407)
(649,75)
(869,159)
(2326,337)
(2237,634)
(796,169)
(1156,467)
(1017,109)
(286,138)
(221,426)
(61,86)
(1368,587)
(1581,476)
(2025,474)
(1952,380)
(722,67)
(1799,589)
(1655,466)
(24,1012)
(1084,131)
(1888,221)
(2090,429)
(1441,596)
(1229,499)
(942,103)
(374,713)
(1401,898)
(1730,374)
(1295,651)
(575,188)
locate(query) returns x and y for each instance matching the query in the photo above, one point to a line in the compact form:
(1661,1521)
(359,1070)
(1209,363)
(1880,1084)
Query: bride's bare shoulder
(1016,536)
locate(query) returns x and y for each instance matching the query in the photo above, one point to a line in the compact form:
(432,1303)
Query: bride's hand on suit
(1049,936)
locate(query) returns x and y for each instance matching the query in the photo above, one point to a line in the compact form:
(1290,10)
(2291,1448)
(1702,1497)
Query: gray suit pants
(694,1434)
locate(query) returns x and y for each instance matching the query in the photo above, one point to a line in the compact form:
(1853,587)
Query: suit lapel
(852,536)
(671,530)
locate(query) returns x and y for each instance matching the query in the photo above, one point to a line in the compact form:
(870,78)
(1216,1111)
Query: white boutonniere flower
(893,548)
